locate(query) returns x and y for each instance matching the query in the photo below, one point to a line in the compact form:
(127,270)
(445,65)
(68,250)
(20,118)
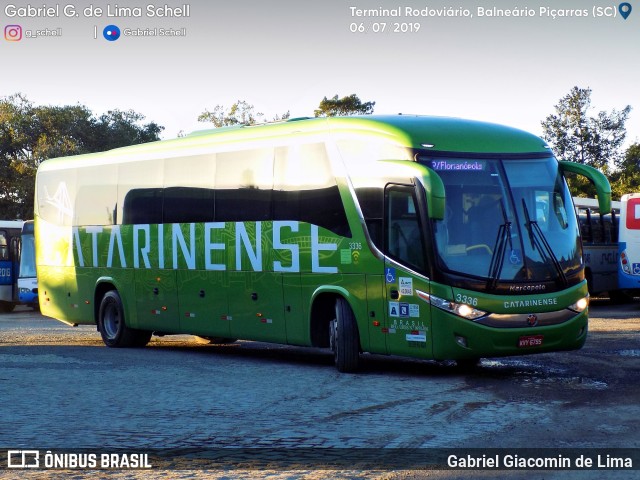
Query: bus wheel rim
(111,322)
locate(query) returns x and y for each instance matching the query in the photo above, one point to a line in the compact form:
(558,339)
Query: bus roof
(438,134)
(592,203)
(11,223)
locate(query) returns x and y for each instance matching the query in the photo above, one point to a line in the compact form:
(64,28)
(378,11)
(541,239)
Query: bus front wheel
(112,326)
(344,338)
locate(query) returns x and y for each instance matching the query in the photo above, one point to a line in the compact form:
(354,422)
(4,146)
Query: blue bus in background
(10,233)
(27,279)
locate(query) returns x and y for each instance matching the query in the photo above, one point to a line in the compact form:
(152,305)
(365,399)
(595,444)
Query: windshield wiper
(497,259)
(539,241)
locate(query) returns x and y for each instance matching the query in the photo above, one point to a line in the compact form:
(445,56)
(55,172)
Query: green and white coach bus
(426,237)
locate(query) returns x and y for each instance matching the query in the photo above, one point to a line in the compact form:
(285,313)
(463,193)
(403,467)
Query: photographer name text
(91,11)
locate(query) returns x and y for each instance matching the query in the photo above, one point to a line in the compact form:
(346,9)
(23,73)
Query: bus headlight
(461,309)
(580,306)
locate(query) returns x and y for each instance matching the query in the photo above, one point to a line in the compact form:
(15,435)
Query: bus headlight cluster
(580,306)
(461,309)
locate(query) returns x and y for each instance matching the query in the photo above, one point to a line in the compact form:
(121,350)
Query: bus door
(408,318)
(6,268)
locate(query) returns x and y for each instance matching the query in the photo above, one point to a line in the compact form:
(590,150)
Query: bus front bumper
(456,338)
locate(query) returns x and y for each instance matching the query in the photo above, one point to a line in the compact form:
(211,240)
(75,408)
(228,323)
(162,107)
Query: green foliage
(31,134)
(576,136)
(626,178)
(350,105)
(240,113)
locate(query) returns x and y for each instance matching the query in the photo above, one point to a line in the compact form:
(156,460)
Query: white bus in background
(27,279)
(629,242)
(600,247)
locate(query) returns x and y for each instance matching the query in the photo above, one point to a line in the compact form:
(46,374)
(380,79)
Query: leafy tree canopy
(350,105)
(626,179)
(240,113)
(577,136)
(30,134)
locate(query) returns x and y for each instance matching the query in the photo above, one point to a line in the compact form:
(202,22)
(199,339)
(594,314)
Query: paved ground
(62,389)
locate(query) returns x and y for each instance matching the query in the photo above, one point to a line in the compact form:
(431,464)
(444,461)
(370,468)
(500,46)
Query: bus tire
(112,325)
(344,338)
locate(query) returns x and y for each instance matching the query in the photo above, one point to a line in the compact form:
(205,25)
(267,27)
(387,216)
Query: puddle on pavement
(629,353)
(534,375)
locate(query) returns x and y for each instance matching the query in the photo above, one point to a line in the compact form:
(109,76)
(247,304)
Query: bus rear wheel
(112,326)
(344,338)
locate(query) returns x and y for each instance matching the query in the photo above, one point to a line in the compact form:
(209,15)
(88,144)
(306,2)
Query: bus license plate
(530,341)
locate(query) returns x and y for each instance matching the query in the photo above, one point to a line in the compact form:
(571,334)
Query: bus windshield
(27,257)
(506,220)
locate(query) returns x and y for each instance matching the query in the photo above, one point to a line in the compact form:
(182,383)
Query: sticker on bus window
(633,214)
(406,285)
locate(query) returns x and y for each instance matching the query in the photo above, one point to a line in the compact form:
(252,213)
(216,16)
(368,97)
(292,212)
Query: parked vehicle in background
(10,231)
(27,278)
(629,243)
(600,247)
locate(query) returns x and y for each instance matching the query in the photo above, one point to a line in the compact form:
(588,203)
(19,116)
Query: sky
(284,55)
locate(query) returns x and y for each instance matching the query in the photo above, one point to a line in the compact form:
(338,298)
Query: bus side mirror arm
(603,188)
(434,189)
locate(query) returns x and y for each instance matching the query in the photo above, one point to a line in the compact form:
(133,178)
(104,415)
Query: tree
(31,134)
(240,113)
(350,105)
(626,178)
(578,137)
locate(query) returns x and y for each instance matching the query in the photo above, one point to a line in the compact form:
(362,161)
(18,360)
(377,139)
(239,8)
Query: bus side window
(142,205)
(244,183)
(305,188)
(404,240)
(4,249)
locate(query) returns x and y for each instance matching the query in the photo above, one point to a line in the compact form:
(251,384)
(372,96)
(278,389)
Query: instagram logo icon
(13,33)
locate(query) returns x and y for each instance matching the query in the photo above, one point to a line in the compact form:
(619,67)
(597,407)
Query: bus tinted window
(4,246)
(305,189)
(142,206)
(244,182)
(140,192)
(371,200)
(188,204)
(404,237)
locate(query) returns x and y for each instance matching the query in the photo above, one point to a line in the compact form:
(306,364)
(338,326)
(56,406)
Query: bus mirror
(434,189)
(603,188)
